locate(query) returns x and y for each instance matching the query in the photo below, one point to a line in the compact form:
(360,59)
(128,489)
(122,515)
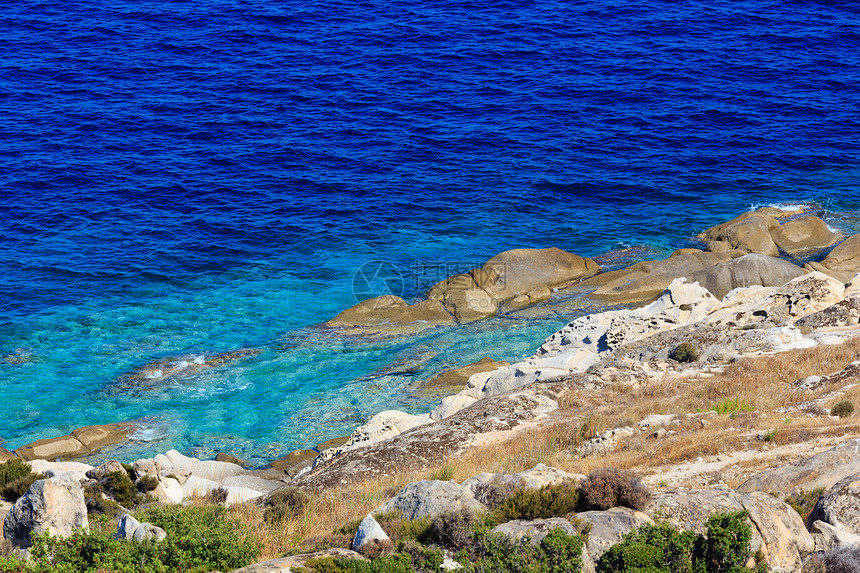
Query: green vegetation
(16,477)
(284,503)
(685,352)
(659,548)
(199,539)
(556,500)
(804,501)
(147,483)
(770,435)
(843,408)
(445,473)
(733,406)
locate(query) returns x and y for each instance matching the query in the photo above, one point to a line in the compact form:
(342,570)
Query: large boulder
(840,506)
(369,532)
(534,529)
(392,313)
(607,528)
(80,442)
(522,271)
(131,529)
(646,280)
(749,232)
(821,470)
(803,235)
(431,497)
(843,262)
(55,505)
(748,270)
(464,298)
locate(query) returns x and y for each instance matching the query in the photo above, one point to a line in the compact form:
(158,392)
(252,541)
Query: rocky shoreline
(733,300)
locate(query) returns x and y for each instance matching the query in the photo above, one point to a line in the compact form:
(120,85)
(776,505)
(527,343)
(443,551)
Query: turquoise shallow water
(178,179)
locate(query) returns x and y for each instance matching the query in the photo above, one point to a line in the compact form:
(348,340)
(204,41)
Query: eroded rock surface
(55,505)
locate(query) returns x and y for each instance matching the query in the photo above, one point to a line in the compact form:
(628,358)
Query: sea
(183,179)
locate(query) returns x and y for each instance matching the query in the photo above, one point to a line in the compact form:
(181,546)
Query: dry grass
(763,383)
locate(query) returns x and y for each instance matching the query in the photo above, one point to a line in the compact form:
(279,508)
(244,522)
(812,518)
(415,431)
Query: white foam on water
(156,374)
(199,360)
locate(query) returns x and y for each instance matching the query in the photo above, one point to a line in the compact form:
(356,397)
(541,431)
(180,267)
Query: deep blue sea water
(181,178)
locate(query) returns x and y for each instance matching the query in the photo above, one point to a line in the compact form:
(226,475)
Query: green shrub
(558,552)
(804,501)
(120,487)
(685,352)
(455,528)
(15,489)
(14,476)
(147,483)
(554,500)
(398,528)
(423,558)
(611,487)
(285,503)
(445,473)
(216,496)
(733,406)
(842,408)
(660,548)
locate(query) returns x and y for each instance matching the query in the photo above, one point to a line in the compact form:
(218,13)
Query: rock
(464,299)
(155,373)
(821,470)
(749,232)
(802,235)
(369,531)
(294,461)
(748,270)
(131,529)
(383,426)
(531,272)
(455,379)
(827,537)
(55,505)
(172,461)
(657,420)
(535,478)
(6,455)
(231,459)
(80,442)
(392,313)
(843,262)
(844,313)
(430,497)
(778,532)
(803,296)
(284,564)
(840,506)
(333,443)
(535,529)
(146,467)
(451,405)
(74,470)
(105,469)
(607,529)
(646,280)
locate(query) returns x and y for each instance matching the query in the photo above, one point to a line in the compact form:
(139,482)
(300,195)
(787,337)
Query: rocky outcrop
(455,379)
(369,532)
(537,477)
(131,529)
(645,281)
(840,506)
(748,270)
(55,505)
(284,564)
(803,235)
(749,232)
(778,531)
(822,470)
(81,442)
(389,313)
(535,529)
(381,427)
(510,280)
(431,497)
(843,262)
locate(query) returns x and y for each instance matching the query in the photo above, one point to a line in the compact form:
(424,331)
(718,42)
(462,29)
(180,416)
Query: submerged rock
(80,442)
(456,378)
(181,367)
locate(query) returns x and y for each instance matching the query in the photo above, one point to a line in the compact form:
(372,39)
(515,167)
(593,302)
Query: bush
(685,352)
(660,548)
(558,552)
(14,476)
(842,560)
(15,489)
(554,500)
(216,496)
(97,504)
(147,483)
(611,487)
(398,528)
(423,558)
(843,408)
(655,548)
(455,528)
(804,501)
(285,503)
(120,487)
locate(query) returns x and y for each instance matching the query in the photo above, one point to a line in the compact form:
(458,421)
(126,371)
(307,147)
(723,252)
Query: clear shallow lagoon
(178,179)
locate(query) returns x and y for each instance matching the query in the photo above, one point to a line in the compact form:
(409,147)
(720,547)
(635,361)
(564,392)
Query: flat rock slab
(283,564)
